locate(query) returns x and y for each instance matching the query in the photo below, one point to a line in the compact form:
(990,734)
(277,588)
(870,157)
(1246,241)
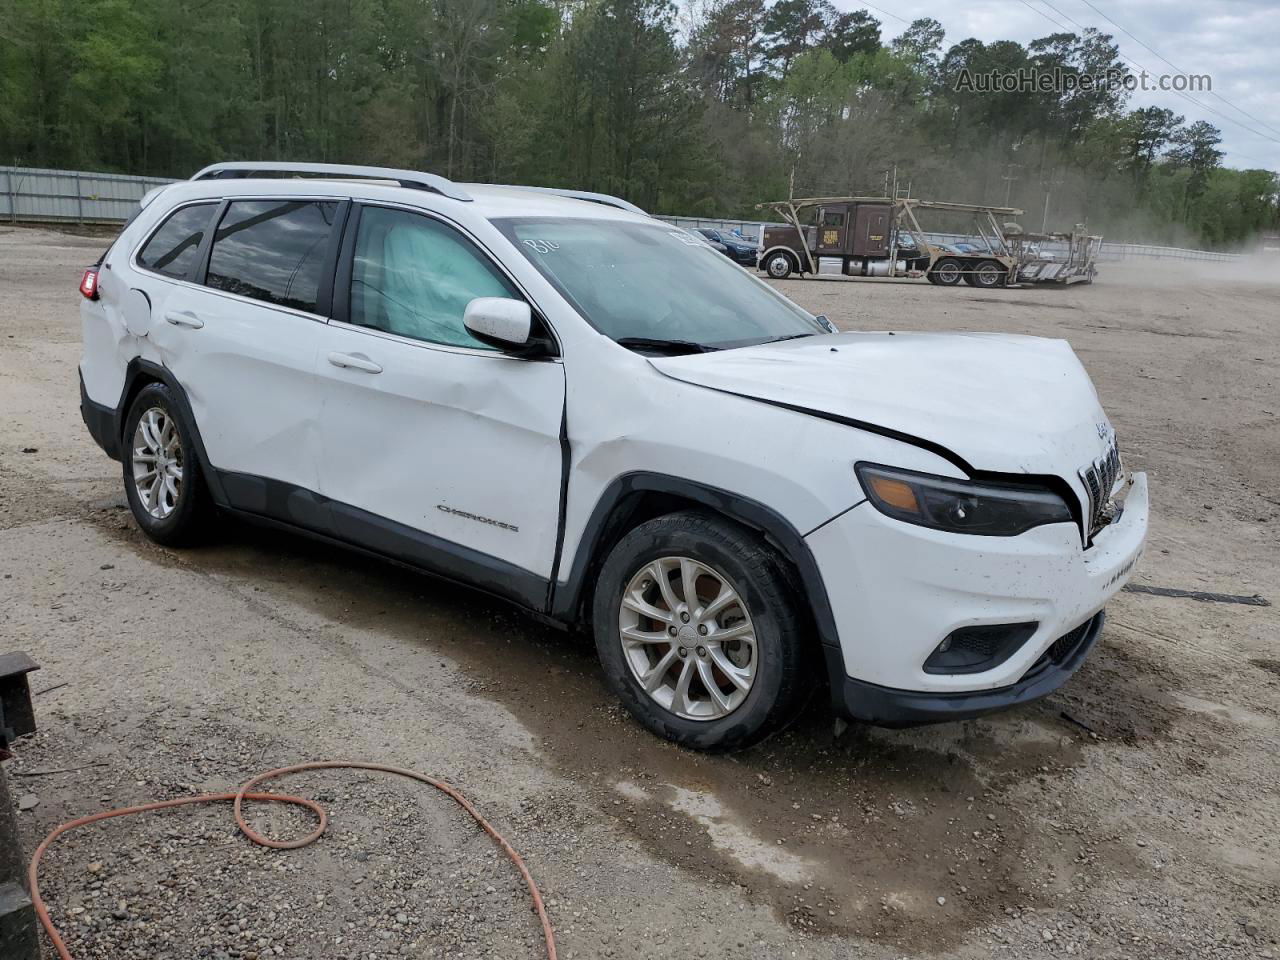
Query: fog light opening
(979,648)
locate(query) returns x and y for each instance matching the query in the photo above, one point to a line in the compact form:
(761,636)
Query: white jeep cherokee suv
(556,399)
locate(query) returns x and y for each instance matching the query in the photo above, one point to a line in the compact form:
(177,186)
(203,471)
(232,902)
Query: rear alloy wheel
(989,274)
(698,631)
(162,479)
(778,266)
(947,272)
(157,462)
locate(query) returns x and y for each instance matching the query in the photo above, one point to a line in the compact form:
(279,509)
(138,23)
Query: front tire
(778,266)
(162,478)
(698,631)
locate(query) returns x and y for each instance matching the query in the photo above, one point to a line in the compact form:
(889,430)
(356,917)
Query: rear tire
(651,641)
(988,274)
(947,272)
(162,477)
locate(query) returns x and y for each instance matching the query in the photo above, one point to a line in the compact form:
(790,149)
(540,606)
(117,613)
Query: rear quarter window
(173,249)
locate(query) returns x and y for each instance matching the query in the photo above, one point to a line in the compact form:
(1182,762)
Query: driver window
(414,277)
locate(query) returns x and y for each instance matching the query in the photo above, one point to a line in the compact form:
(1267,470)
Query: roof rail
(412,179)
(601,198)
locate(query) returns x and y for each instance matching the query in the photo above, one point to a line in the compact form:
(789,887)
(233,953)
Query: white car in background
(551,397)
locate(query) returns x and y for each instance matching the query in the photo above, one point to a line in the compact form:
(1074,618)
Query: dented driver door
(435,448)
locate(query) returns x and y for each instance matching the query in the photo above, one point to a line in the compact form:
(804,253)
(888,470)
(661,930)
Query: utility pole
(1009,179)
(1048,192)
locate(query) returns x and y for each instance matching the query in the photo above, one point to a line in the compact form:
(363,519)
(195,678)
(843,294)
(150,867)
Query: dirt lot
(1136,813)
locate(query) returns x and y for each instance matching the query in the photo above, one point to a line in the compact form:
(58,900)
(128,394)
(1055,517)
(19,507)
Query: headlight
(960,506)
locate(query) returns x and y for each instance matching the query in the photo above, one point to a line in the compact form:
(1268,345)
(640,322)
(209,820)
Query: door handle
(184,318)
(351,361)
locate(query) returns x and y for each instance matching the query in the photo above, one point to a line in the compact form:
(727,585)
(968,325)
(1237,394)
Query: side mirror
(499,321)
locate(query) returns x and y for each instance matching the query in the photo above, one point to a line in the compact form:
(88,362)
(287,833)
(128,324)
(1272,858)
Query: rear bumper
(888,707)
(101,422)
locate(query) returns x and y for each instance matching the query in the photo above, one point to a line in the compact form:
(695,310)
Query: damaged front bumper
(898,590)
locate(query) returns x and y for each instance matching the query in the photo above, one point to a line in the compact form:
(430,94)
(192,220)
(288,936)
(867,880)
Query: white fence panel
(69,196)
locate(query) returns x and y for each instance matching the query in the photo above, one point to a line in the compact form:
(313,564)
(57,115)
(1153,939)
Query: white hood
(1003,403)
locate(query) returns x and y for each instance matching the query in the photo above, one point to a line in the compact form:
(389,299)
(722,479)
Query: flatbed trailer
(882,237)
(1075,262)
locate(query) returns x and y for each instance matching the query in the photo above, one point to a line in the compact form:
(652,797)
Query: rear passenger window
(172,250)
(272,250)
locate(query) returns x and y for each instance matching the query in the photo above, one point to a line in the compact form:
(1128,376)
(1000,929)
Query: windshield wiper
(666,346)
(790,336)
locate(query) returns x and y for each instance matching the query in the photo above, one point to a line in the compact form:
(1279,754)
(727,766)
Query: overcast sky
(1236,42)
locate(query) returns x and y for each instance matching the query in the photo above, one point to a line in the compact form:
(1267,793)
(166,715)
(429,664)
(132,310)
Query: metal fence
(32,195)
(29,194)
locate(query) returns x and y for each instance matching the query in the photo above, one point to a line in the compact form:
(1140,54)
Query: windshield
(655,282)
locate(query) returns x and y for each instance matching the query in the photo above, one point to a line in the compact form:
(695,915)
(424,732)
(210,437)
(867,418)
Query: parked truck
(882,237)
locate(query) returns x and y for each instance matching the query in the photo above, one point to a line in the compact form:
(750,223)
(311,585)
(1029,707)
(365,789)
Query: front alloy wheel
(698,631)
(687,638)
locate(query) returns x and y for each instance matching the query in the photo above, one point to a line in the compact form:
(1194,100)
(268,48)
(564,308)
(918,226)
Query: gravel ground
(1135,813)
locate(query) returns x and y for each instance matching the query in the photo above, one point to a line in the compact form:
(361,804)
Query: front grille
(1099,478)
(1061,648)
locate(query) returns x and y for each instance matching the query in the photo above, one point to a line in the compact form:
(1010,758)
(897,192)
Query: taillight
(89,284)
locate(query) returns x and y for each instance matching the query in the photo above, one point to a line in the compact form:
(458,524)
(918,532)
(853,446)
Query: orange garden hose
(238,798)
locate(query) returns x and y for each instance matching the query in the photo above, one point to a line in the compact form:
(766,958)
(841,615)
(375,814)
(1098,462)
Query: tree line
(702,109)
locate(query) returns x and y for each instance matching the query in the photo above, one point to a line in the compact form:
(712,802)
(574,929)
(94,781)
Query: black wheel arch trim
(605,520)
(112,420)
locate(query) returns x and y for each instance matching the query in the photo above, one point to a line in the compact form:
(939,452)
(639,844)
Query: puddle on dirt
(727,835)
(902,836)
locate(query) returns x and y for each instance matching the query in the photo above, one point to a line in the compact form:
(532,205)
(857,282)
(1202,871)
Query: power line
(888,14)
(1057,23)
(1178,69)
(1145,69)
(1061,14)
